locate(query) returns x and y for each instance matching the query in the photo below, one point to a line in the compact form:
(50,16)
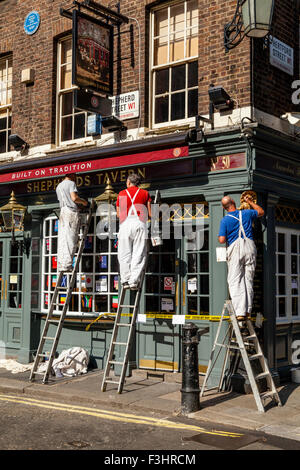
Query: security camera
(17,142)
(195,135)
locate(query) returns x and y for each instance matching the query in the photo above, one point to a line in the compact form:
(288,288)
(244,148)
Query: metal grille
(287,214)
(187,211)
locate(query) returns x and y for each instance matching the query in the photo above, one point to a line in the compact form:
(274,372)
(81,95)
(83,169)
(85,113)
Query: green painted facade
(271,168)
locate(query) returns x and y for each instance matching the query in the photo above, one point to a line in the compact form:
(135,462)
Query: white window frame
(49,253)
(60,92)
(289,318)
(169,64)
(7,106)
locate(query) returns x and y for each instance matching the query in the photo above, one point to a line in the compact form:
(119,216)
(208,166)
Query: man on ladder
(133,210)
(68,231)
(69,221)
(236,231)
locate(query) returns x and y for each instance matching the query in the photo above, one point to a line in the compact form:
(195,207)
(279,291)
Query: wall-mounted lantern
(13,215)
(252,18)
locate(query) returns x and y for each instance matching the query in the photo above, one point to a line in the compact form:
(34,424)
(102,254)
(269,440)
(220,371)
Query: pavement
(159,392)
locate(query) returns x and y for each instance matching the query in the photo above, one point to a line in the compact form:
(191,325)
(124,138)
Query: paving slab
(288,432)
(160,393)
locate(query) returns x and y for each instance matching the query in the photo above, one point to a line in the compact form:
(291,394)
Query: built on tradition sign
(166,164)
(93,165)
(281,56)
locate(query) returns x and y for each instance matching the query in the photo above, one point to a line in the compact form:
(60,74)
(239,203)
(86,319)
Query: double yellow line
(115,415)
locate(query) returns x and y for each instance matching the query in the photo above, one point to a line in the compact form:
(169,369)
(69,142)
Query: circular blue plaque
(32,22)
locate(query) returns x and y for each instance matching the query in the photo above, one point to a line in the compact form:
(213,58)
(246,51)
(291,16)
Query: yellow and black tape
(162,316)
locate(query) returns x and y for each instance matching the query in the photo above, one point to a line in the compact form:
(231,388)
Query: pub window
(5,102)
(161,277)
(71,122)
(174,63)
(196,287)
(96,288)
(287,274)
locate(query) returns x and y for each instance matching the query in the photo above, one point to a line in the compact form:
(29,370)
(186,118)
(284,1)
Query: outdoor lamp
(13,218)
(13,215)
(257,17)
(252,18)
(106,205)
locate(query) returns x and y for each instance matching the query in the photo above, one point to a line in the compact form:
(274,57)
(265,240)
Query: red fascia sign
(94,165)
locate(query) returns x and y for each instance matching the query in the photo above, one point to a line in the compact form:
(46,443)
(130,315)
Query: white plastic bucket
(296,375)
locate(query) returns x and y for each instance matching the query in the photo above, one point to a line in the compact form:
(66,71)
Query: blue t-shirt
(229,227)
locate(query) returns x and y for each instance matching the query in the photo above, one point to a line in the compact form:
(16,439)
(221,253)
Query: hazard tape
(158,316)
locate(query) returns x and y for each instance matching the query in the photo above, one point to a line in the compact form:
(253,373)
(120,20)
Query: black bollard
(190,375)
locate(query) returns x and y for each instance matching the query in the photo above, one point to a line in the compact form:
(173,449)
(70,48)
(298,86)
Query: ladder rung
(43,355)
(119,344)
(262,375)
(255,356)
(268,395)
(250,337)
(111,381)
(53,321)
(38,373)
(123,324)
(116,362)
(47,337)
(127,306)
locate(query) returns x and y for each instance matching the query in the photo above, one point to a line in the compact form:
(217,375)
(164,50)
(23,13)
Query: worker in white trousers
(236,230)
(69,221)
(133,210)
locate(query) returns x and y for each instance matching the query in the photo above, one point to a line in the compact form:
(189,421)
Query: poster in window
(92,54)
(103,262)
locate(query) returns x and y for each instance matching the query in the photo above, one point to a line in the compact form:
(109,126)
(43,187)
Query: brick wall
(272,87)
(33,106)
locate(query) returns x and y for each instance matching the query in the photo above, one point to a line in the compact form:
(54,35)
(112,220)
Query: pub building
(241,144)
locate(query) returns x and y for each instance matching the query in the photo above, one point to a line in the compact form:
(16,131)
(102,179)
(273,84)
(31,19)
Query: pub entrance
(11,295)
(177,282)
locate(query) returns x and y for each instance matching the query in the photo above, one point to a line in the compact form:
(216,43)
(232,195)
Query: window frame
(80,290)
(59,94)
(7,107)
(168,65)
(288,275)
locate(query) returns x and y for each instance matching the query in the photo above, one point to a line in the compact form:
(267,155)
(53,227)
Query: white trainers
(125,285)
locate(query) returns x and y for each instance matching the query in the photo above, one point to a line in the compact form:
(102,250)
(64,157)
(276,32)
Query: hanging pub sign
(89,101)
(92,54)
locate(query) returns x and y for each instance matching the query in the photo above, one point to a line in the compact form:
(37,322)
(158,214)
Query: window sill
(170,129)
(74,144)
(83,319)
(8,156)
(287,321)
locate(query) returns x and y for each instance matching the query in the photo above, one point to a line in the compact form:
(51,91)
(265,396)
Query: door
(195,287)
(12,294)
(158,339)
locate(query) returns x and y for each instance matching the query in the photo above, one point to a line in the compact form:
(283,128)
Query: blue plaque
(32,22)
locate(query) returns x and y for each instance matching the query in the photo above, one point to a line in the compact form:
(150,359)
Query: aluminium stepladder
(58,320)
(235,340)
(130,327)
